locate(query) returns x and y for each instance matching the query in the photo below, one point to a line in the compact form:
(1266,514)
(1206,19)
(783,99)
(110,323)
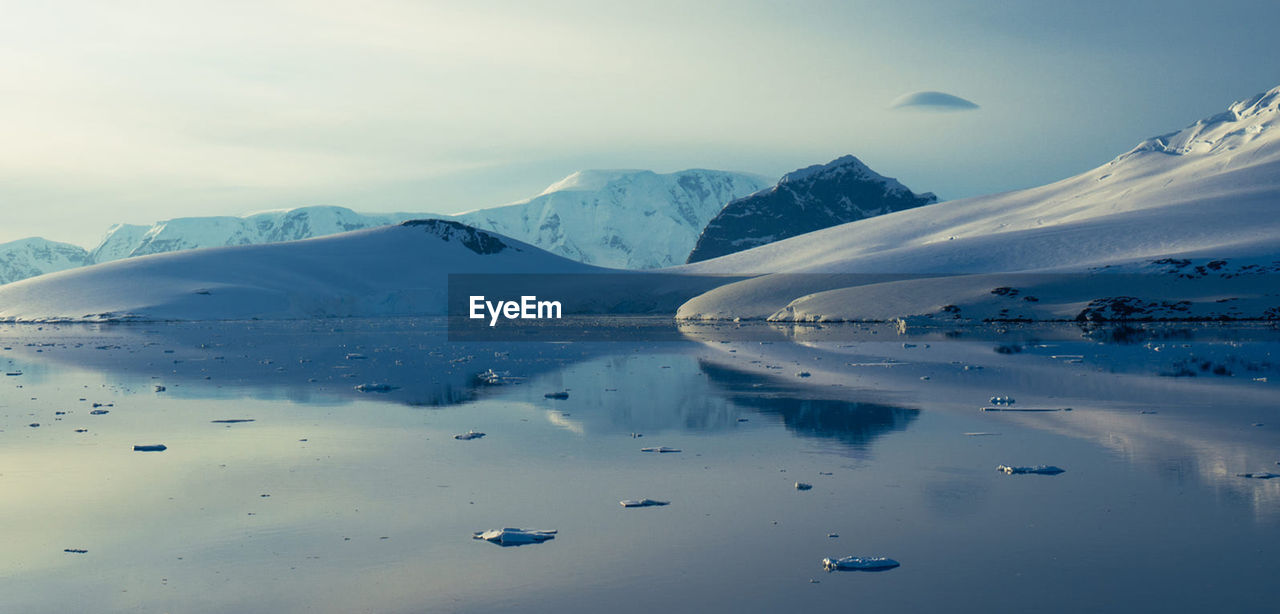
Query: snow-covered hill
(35,256)
(393,270)
(1208,195)
(620,218)
(129,240)
(820,196)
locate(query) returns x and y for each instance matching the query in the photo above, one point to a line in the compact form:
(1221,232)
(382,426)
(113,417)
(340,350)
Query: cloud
(932,101)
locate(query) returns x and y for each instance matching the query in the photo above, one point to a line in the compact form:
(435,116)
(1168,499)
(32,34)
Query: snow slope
(393,270)
(619,218)
(36,256)
(809,199)
(1208,194)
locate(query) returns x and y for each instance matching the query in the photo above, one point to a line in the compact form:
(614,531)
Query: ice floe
(375,387)
(643,503)
(1259,475)
(1038,469)
(514,537)
(858,563)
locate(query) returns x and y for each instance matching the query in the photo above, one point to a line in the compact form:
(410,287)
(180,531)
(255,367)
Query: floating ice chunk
(643,503)
(491,377)
(376,387)
(154,448)
(803,486)
(514,537)
(858,563)
(1260,475)
(1038,469)
(562,395)
(1027,409)
(661,450)
(469,435)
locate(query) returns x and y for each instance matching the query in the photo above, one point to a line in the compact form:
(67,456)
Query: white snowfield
(393,270)
(628,219)
(1190,215)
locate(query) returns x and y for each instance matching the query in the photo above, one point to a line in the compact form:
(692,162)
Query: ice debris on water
(469,435)
(643,503)
(1004,400)
(490,377)
(150,448)
(858,563)
(1038,469)
(1259,475)
(514,537)
(803,486)
(376,387)
(660,450)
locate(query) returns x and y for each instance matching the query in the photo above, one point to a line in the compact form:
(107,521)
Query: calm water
(335,500)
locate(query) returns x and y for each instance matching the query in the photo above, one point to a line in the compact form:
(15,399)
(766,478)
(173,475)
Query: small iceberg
(155,448)
(514,537)
(660,450)
(376,387)
(1038,469)
(643,503)
(858,563)
(469,435)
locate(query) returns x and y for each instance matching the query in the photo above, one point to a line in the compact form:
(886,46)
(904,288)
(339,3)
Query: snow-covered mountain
(619,218)
(35,256)
(809,199)
(129,240)
(392,270)
(1190,217)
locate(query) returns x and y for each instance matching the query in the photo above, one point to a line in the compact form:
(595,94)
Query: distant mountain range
(813,198)
(36,256)
(622,219)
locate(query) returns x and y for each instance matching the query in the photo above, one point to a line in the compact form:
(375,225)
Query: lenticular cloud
(932,101)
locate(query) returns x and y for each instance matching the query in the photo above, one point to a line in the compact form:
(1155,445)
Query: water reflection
(855,424)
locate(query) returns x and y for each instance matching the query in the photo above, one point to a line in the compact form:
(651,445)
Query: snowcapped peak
(1242,123)
(594,179)
(843,164)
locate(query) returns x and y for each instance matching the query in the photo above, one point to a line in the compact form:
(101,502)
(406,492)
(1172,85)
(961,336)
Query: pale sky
(130,111)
